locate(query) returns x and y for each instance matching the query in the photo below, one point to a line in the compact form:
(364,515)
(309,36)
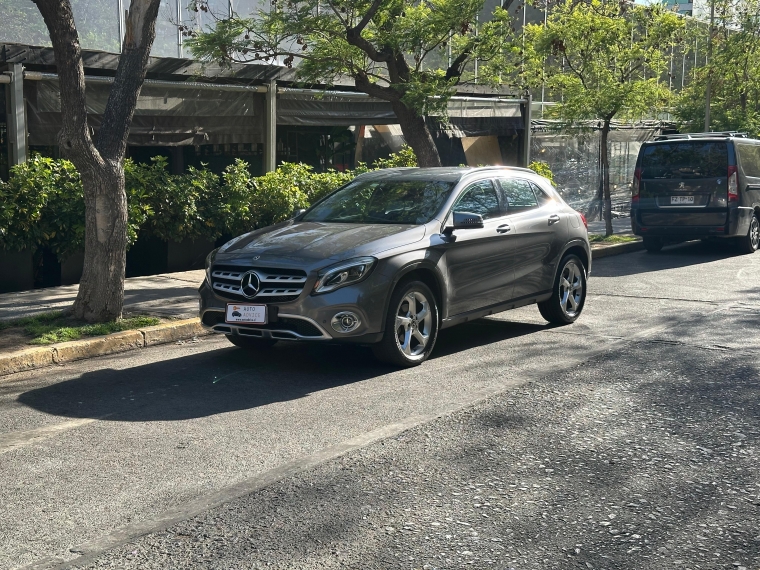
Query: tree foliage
(734,73)
(603,60)
(411,53)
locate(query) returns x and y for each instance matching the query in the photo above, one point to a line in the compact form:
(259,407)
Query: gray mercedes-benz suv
(396,255)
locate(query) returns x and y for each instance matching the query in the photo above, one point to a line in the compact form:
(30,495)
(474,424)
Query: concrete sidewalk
(170,295)
(619,226)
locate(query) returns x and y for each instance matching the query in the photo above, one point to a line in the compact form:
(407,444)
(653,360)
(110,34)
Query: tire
(417,326)
(750,242)
(653,245)
(250,343)
(568,293)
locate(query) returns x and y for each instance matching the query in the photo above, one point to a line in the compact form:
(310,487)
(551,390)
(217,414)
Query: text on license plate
(243,313)
(682,199)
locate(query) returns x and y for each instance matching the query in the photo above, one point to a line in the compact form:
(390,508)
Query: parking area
(642,415)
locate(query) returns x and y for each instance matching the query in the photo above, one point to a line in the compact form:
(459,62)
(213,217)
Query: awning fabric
(328,110)
(165,116)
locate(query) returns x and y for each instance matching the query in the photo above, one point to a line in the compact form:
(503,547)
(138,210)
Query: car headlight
(345,273)
(209,262)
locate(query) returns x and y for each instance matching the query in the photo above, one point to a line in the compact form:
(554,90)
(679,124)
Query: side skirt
(498,308)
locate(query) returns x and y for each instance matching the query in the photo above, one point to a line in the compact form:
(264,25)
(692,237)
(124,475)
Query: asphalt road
(628,440)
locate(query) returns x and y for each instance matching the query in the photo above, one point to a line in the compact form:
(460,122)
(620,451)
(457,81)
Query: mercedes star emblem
(250,284)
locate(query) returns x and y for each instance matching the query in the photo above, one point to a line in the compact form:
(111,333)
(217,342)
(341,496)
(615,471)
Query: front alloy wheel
(569,293)
(750,242)
(411,326)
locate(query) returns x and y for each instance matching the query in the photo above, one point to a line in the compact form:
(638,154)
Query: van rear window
(685,160)
(749,154)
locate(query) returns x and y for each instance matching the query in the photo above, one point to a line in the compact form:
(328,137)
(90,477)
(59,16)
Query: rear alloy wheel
(653,245)
(750,242)
(411,326)
(569,293)
(249,342)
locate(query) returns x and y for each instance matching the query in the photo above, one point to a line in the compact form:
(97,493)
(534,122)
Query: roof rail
(501,167)
(689,136)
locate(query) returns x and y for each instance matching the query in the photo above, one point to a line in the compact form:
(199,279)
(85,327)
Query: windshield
(383,202)
(683,160)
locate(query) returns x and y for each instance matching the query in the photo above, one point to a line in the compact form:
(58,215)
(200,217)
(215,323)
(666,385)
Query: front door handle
(553,219)
(504,228)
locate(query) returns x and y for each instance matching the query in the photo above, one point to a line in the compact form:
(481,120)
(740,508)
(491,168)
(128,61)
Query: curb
(616,249)
(39,357)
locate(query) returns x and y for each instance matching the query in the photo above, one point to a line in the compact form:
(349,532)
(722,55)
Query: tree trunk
(417,135)
(101,290)
(606,178)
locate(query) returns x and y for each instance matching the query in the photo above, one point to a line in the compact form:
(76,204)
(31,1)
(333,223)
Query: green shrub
(42,205)
(542,168)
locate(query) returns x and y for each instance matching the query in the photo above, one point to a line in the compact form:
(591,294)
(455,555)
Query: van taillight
(733,184)
(583,219)
(636,186)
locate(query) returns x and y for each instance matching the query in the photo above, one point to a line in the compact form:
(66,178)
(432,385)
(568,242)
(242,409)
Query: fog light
(345,322)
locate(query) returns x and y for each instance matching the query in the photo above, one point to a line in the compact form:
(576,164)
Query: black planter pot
(16,271)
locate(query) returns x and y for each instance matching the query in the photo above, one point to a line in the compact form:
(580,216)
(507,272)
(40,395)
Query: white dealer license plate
(248,314)
(682,200)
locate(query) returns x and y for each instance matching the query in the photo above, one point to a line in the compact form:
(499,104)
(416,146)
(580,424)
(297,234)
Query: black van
(699,185)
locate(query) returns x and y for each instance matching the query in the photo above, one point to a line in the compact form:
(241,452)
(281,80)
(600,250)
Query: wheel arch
(425,272)
(579,250)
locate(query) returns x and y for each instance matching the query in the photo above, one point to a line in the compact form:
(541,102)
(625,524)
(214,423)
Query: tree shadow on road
(641,464)
(231,379)
(671,257)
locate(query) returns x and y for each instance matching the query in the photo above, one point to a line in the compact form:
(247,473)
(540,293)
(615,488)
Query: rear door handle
(553,219)
(504,228)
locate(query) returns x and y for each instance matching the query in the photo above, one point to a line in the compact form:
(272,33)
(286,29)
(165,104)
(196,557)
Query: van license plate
(248,314)
(682,200)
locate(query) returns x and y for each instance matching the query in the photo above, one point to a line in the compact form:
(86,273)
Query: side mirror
(467,221)
(298,211)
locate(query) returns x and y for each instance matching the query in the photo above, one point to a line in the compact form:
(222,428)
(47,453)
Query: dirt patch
(13,339)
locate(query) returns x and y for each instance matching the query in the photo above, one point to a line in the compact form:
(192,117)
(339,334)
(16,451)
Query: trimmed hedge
(42,205)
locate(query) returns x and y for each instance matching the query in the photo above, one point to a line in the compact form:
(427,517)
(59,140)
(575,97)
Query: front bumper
(308,317)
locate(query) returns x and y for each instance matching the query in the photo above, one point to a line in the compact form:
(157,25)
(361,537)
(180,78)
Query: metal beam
(527,120)
(39,76)
(17,116)
(270,128)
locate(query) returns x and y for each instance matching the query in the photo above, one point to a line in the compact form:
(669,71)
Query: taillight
(733,184)
(583,219)
(636,186)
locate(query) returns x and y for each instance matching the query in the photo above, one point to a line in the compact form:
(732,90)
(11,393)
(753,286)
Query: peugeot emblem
(682,186)
(250,284)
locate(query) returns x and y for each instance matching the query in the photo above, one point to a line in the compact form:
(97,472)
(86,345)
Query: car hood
(315,241)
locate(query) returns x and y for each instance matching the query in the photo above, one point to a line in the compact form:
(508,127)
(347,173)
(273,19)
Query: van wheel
(750,242)
(250,343)
(568,294)
(411,326)
(653,245)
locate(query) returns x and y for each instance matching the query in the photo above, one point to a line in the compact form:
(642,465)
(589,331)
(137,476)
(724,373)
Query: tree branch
(75,134)
(130,74)
(363,84)
(359,28)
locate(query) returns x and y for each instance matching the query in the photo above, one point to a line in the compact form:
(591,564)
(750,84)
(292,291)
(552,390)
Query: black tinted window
(542,197)
(480,198)
(685,160)
(519,194)
(749,155)
(383,202)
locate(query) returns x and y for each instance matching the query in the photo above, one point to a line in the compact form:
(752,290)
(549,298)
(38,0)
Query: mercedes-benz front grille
(276,285)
